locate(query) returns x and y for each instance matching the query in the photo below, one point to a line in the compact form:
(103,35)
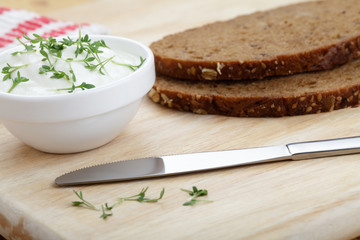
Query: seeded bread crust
(300,94)
(292,39)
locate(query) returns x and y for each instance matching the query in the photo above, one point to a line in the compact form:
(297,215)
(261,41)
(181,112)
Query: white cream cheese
(44,84)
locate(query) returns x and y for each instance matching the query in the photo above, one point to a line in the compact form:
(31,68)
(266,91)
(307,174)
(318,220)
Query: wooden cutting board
(312,199)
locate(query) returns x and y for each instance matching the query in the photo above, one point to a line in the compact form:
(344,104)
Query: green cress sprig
(195,194)
(82,86)
(89,205)
(92,49)
(138,198)
(106,209)
(83,201)
(16,81)
(51,47)
(132,67)
(28,48)
(8,70)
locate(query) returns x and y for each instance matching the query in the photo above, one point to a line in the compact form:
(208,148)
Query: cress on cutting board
(50,66)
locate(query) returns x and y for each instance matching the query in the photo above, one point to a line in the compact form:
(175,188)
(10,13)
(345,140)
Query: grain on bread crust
(307,93)
(298,38)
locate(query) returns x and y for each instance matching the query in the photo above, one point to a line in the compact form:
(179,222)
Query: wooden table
(313,199)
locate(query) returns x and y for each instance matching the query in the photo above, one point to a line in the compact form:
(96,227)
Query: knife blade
(193,162)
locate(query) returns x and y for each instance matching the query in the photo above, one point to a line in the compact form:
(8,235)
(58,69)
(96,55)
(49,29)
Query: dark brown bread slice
(292,39)
(316,92)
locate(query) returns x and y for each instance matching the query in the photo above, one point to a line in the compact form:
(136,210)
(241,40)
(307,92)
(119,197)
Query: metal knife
(193,162)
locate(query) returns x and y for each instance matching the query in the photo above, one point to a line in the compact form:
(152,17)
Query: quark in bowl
(75,100)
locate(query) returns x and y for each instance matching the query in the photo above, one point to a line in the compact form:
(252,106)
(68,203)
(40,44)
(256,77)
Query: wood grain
(313,199)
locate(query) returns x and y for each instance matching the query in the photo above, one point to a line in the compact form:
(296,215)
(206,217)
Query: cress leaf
(195,194)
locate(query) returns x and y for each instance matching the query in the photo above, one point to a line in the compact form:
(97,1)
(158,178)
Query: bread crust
(301,94)
(175,57)
(324,58)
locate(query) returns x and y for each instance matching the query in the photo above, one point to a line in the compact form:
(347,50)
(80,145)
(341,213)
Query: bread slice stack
(293,60)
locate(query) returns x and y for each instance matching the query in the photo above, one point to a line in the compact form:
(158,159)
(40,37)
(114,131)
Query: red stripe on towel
(23,28)
(60,31)
(2,9)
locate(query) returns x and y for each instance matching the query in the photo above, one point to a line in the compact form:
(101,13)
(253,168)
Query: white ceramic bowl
(80,121)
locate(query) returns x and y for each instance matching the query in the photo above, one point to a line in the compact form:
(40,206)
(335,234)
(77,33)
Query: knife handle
(324,148)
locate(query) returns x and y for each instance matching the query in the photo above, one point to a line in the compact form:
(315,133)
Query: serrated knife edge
(192,162)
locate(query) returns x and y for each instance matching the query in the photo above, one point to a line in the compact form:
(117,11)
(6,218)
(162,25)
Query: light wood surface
(313,199)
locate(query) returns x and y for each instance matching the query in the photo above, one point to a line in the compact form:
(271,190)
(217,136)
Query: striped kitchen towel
(16,22)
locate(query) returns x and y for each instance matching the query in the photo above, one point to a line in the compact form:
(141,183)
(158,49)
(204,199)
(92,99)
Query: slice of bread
(322,91)
(292,39)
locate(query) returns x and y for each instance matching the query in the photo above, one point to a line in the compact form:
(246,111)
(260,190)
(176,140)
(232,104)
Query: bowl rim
(149,60)
(70,106)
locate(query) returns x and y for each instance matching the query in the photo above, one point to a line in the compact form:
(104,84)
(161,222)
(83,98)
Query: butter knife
(185,163)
